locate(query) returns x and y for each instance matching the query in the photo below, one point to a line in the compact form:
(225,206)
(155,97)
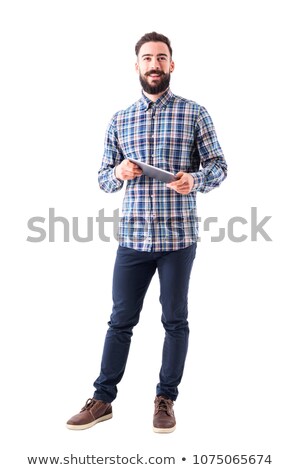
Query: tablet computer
(154,172)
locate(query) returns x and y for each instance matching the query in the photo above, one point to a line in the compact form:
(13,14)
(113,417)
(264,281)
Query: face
(154,66)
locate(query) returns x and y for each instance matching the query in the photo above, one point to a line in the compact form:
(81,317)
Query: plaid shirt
(174,134)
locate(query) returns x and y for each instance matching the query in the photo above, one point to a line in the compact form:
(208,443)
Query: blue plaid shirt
(174,134)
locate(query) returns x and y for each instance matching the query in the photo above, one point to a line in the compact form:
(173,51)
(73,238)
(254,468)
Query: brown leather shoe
(92,413)
(164,418)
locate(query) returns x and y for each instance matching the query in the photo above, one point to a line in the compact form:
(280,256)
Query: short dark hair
(153,37)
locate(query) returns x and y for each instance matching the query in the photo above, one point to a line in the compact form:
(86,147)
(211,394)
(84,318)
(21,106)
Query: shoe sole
(164,430)
(80,427)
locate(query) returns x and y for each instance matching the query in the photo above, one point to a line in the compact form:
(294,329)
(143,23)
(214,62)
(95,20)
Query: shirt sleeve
(112,157)
(214,167)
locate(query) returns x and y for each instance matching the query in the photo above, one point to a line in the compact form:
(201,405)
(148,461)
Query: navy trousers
(133,272)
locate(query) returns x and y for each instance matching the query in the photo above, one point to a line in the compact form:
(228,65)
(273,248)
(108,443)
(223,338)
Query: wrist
(116,172)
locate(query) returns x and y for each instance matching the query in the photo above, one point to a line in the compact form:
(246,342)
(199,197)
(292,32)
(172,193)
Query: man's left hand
(184,183)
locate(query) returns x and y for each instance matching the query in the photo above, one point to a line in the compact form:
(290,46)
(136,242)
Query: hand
(184,183)
(127,170)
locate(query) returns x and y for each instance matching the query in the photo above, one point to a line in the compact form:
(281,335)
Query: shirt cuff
(199,181)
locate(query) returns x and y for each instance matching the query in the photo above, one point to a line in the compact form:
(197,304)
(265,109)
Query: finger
(134,175)
(131,166)
(172,185)
(136,169)
(181,183)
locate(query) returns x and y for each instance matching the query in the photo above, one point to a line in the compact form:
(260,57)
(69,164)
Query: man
(158,230)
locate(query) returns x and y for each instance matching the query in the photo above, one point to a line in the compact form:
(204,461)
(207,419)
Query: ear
(172,66)
(137,67)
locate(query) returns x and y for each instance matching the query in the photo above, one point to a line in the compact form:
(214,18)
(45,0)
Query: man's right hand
(127,170)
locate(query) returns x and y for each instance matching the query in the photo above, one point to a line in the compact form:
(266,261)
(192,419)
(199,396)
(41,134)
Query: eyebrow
(158,55)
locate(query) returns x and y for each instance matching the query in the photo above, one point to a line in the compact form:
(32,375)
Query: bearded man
(159,227)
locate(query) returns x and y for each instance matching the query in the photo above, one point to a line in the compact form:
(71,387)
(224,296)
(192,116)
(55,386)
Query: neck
(154,97)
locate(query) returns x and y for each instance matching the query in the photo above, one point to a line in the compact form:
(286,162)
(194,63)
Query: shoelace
(163,404)
(89,403)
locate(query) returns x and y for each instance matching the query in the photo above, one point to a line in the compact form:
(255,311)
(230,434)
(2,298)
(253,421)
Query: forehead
(154,48)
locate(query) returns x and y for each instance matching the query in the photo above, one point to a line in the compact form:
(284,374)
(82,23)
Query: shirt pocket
(174,152)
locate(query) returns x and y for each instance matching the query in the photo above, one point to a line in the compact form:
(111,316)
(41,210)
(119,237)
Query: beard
(155,88)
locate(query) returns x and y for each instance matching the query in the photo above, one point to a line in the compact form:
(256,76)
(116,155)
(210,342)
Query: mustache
(153,72)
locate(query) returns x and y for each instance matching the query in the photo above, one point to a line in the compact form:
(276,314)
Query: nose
(155,63)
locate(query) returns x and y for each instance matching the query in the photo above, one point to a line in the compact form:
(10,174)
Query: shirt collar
(163,100)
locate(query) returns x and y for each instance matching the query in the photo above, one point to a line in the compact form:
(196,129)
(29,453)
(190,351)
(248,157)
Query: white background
(66,67)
